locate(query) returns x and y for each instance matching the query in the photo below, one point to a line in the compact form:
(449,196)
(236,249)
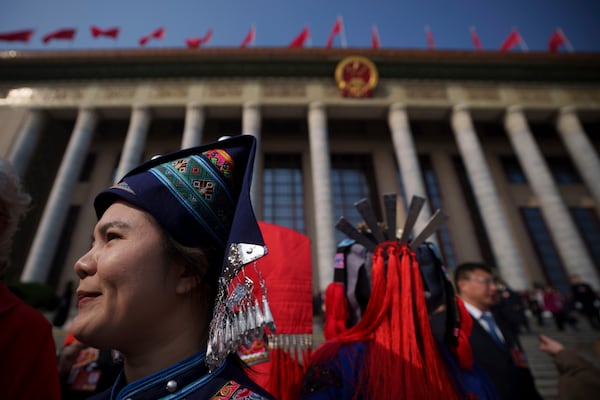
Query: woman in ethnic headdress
(163,282)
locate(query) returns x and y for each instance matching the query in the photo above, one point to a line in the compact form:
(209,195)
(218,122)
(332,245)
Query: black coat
(512,381)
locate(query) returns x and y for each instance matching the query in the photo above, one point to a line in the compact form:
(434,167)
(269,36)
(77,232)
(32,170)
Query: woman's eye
(112,235)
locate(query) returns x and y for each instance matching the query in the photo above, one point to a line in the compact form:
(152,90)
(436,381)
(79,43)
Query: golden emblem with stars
(356,76)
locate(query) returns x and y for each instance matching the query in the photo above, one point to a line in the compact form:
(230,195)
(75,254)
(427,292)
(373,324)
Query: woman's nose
(86,265)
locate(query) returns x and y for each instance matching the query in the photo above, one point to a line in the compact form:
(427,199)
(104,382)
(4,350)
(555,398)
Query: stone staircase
(541,364)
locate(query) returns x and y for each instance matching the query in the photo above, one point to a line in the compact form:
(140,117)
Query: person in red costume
(28,368)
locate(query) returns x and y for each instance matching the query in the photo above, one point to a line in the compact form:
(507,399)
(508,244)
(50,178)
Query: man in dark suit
(496,348)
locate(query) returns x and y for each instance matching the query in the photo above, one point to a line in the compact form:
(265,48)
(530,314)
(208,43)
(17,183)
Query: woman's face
(127,287)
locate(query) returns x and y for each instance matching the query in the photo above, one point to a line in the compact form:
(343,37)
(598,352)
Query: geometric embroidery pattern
(203,188)
(232,391)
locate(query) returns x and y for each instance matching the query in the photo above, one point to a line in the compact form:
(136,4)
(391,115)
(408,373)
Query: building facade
(505,144)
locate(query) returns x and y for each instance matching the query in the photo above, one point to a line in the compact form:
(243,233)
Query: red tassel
(463,351)
(336,310)
(402,358)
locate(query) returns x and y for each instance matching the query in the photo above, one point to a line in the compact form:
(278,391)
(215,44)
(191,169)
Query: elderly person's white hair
(14,203)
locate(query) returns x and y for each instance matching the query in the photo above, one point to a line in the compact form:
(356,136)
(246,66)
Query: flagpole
(567,42)
(522,43)
(343,33)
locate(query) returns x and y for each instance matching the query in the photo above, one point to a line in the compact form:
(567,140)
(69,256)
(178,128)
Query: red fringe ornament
(463,351)
(336,310)
(402,359)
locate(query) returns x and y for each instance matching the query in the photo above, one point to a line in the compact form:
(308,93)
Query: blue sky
(400,23)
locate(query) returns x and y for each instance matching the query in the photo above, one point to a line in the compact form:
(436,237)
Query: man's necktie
(489,320)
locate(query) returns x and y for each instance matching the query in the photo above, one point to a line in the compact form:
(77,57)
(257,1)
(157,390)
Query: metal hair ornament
(238,318)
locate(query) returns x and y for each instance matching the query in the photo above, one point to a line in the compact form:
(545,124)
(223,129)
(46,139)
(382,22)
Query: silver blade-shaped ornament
(349,230)
(416,204)
(436,220)
(366,211)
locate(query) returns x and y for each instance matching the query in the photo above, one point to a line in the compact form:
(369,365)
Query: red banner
(249,39)
(156,34)
(111,32)
(513,39)
(475,38)
(375,42)
(65,34)
(336,30)
(301,38)
(429,37)
(17,36)
(556,40)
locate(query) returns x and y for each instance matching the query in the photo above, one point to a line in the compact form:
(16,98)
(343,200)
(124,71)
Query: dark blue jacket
(190,380)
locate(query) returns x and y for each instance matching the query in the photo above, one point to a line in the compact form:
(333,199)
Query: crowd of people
(164,303)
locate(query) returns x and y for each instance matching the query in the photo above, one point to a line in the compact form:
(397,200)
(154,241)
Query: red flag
(197,42)
(556,40)
(207,36)
(429,37)
(513,39)
(67,34)
(249,39)
(375,42)
(475,39)
(156,34)
(111,32)
(301,38)
(193,43)
(337,29)
(17,36)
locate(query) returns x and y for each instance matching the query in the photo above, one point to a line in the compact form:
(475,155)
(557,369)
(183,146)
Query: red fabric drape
(287,271)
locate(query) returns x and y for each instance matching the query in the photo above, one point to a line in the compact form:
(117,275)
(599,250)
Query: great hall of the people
(505,144)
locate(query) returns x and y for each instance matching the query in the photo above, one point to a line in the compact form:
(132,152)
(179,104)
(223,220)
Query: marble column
(493,214)
(26,142)
(565,236)
(251,124)
(581,150)
(408,159)
(134,142)
(193,126)
(321,180)
(47,236)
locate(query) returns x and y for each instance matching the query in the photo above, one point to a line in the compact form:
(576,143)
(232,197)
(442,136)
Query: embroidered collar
(174,382)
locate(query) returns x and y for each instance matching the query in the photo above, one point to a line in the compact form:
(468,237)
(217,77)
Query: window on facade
(512,169)
(352,179)
(283,191)
(544,246)
(435,202)
(563,171)
(588,224)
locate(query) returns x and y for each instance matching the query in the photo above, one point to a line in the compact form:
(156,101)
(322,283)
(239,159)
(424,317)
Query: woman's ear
(187,280)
